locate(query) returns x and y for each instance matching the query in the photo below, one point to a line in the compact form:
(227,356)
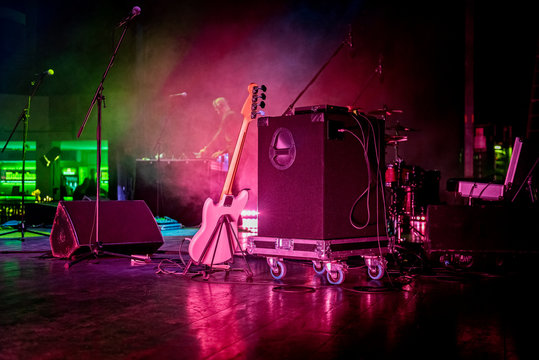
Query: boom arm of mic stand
(365,87)
(288,110)
(24,111)
(23,114)
(100,87)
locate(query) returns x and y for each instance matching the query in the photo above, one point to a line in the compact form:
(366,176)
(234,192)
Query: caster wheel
(335,277)
(279,271)
(319,267)
(375,271)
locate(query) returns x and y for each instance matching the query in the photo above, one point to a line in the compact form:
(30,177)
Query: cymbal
(399,127)
(386,112)
(392,140)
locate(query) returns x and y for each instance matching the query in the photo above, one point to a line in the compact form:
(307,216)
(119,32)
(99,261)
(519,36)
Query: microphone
(184,94)
(134,12)
(41,76)
(49,72)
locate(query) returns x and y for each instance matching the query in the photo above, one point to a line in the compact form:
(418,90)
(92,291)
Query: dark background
(211,49)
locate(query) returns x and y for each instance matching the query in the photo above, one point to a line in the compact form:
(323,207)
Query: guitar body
(210,238)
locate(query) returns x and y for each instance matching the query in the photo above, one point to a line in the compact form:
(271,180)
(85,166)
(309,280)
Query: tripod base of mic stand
(135,259)
(22,230)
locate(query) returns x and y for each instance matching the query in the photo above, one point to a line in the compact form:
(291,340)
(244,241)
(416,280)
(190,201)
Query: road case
(327,256)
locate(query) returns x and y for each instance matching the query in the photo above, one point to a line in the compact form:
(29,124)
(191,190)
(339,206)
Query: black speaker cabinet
(318,181)
(125,227)
(483,229)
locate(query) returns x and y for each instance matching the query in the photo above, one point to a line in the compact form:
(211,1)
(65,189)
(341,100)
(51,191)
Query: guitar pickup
(229,199)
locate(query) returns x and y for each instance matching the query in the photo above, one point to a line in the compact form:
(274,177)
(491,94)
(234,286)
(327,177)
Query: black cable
(379,180)
(483,190)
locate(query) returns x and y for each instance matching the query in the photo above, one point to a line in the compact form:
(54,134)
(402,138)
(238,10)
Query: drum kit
(406,213)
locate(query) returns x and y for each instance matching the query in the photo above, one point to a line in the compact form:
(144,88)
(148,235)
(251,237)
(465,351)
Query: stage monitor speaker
(125,227)
(315,181)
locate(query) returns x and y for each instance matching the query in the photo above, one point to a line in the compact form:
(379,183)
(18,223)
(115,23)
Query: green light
(17,165)
(14,176)
(17,146)
(69,171)
(83,145)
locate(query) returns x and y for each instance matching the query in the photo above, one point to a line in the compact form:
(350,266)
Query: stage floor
(106,308)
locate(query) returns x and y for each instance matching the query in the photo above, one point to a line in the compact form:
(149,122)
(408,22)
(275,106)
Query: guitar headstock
(254,102)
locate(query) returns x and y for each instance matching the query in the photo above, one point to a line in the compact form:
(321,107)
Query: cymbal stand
(398,159)
(395,214)
(25,117)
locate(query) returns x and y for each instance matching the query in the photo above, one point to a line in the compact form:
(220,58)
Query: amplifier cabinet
(316,180)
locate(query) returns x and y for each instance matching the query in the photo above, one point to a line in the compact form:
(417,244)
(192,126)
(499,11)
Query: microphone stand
(24,117)
(348,42)
(378,72)
(99,98)
(157,148)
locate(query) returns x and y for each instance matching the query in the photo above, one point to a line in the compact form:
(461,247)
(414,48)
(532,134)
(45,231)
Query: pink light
(249,221)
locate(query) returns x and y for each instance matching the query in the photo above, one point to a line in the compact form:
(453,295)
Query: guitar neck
(249,113)
(234,162)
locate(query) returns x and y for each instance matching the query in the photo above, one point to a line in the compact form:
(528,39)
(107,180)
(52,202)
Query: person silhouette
(81,189)
(223,140)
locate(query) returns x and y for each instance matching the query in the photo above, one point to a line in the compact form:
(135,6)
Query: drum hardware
(385,111)
(399,127)
(406,216)
(393,140)
(390,175)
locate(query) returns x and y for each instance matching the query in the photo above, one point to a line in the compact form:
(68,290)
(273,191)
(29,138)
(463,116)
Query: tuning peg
(259,112)
(256,88)
(255,105)
(256,97)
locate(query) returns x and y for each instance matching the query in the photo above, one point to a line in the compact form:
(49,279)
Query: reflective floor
(107,308)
